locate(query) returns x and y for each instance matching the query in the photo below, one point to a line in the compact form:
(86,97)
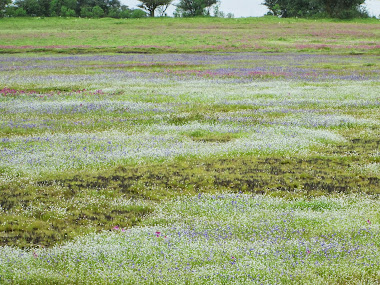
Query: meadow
(176,35)
(137,161)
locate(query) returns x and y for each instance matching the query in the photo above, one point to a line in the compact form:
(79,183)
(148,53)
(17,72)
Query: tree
(342,8)
(193,8)
(125,12)
(20,12)
(303,8)
(66,12)
(108,6)
(4,4)
(152,5)
(86,12)
(293,8)
(44,7)
(97,12)
(31,7)
(113,8)
(273,7)
(63,8)
(35,7)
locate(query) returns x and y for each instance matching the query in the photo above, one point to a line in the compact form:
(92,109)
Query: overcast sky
(252,8)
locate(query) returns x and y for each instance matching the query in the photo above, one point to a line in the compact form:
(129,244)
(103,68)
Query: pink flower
(35,254)
(123,230)
(368,221)
(115,228)
(308,251)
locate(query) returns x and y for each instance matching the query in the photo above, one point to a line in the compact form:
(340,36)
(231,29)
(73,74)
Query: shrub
(114,13)
(20,12)
(97,12)
(86,12)
(137,13)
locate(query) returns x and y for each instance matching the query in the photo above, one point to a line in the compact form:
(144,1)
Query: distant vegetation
(343,9)
(68,8)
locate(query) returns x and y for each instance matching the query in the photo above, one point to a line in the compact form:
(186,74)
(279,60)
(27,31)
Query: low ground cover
(219,239)
(112,168)
(65,35)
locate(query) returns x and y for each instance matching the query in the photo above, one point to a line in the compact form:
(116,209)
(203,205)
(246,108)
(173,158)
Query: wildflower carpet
(178,168)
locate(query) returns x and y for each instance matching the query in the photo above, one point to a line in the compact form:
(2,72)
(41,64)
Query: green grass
(159,35)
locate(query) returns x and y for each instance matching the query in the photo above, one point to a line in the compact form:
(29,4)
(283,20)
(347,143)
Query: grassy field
(188,35)
(171,167)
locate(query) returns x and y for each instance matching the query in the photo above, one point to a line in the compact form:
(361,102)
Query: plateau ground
(134,160)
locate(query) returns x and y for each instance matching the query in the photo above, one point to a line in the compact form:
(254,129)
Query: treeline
(68,8)
(107,8)
(343,9)
(184,8)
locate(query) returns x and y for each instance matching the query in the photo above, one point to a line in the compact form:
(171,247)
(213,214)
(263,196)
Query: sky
(252,8)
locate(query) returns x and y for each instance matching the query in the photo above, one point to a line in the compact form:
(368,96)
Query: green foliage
(97,12)
(105,5)
(121,12)
(65,8)
(293,8)
(152,5)
(194,8)
(65,12)
(137,13)
(185,8)
(86,12)
(34,7)
(3,5)
(16,12)
(126,13)
(343,9)
(69,8)
(31,7)
(114,13)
